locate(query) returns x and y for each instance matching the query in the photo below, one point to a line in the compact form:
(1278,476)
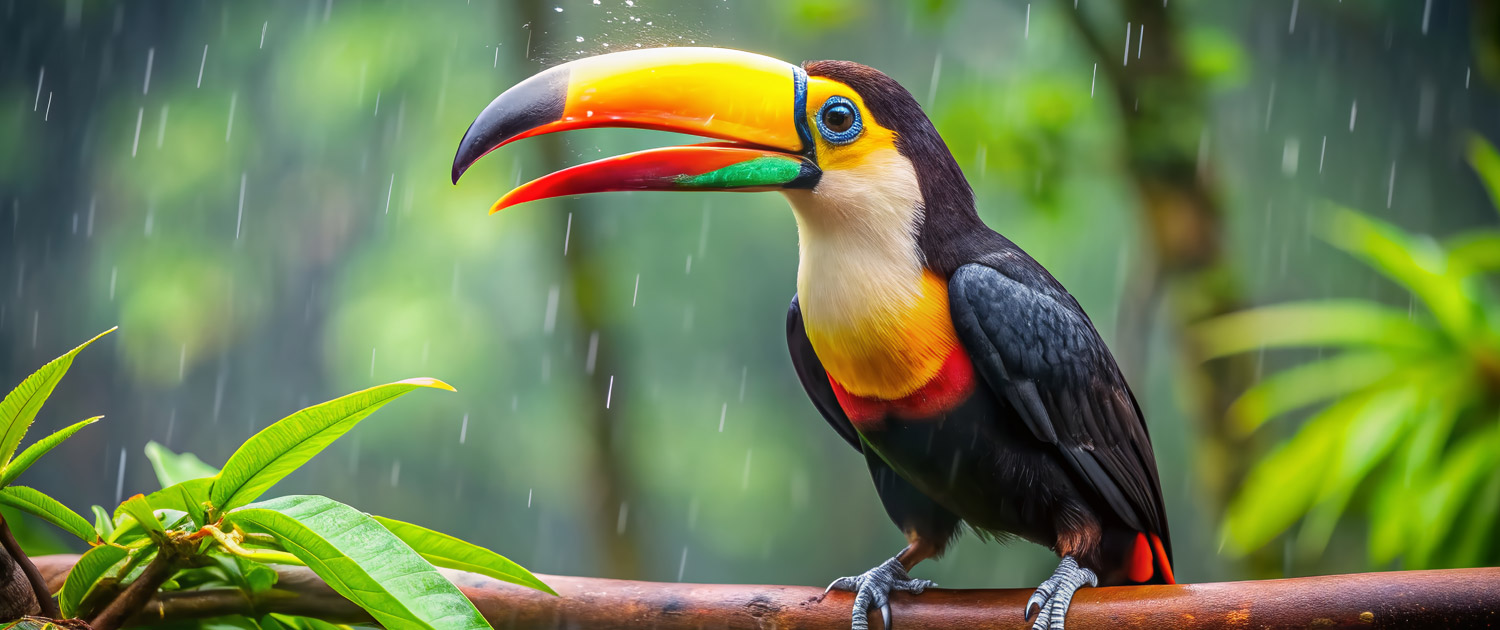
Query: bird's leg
(873,587)
(1054,595)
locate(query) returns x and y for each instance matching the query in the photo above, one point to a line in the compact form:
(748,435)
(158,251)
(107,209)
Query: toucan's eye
(838,121)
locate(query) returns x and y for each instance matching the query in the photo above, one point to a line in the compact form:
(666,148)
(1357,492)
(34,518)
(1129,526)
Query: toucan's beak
(753,102)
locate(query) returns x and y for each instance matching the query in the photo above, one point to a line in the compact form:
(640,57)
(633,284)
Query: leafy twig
(44,599)
(139,593)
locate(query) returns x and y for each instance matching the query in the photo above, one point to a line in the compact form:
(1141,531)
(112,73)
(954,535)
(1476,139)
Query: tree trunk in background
(608,474)
(1486,34)
(1165,120)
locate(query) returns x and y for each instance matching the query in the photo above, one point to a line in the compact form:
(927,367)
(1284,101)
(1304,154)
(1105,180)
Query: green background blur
(258,195)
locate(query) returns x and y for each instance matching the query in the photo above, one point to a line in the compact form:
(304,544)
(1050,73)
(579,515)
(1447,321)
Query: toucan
(973,384)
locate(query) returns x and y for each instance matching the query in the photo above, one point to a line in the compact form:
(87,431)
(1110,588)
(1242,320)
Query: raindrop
(114,272)
(622,518)
(37,102)
(463,430)
(588,364)
(567,234)
(372,362)
(1426,14)
(1290,152)
(549,322)
(150,58)
(637,294)
(233,97)
(47,115)
(1095,80)
(681,563)
(137,142)
(744,374)
(120,478)
(1291,26)
(1321,153)
(689,264)
(161,127)
(1127,43)
(240,214)
(390,188)
(1353,110)
(395,473)
(745,476)
(723,411)
(529,492)
(1390,190)
(201,64)
(609,394)
(181,361)
(1026,34)
(263,33)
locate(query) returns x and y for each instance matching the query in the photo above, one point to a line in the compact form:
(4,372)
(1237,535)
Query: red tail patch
(1161,558)
(1147,557)
(1141,565)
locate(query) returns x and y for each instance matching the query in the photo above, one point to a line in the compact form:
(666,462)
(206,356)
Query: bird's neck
(876,316)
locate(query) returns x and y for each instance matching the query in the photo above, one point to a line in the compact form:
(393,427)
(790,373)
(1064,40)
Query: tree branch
(139,594)
(1413,600)
(44,601)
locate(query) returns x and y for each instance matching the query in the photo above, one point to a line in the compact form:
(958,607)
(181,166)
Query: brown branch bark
(14,590)
(136,596)
(1411,600)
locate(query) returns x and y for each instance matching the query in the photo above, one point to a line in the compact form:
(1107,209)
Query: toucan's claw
(873,588)
(1051,599)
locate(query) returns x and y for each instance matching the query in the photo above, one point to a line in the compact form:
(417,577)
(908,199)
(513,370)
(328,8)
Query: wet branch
(44,601)
(1457,598)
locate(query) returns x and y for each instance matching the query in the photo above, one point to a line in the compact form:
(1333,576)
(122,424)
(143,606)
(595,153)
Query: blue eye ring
(839,112)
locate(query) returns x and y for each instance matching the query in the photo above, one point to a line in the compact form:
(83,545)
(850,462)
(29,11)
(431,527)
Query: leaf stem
(258,555)
(44,599)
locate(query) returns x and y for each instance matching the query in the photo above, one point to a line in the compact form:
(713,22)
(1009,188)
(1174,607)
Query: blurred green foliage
(1408,432)
(268,237)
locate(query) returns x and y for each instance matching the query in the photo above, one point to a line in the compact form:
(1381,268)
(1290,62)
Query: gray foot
(873,589)
(1054,595)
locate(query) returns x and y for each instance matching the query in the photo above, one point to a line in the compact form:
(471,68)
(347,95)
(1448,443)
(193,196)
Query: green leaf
(1281,487)
(1475,251)
(1313,324)
(278,621)
(289,443)
(19,407)
(139,508)
(1419,265)
(1296,387)
(91,567)
(451,553)
(363,561)
(1486,163)
(10,471)
(104,524)
(174,468)
(32,501)
(189,496)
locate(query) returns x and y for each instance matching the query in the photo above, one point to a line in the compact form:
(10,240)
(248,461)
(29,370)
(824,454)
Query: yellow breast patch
(892,352)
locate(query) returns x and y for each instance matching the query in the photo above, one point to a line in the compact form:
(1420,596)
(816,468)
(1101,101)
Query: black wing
(1039,352)
(908,507)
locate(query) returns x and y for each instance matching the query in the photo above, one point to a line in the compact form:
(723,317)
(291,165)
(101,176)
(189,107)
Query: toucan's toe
(872,590)
(1056,593)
